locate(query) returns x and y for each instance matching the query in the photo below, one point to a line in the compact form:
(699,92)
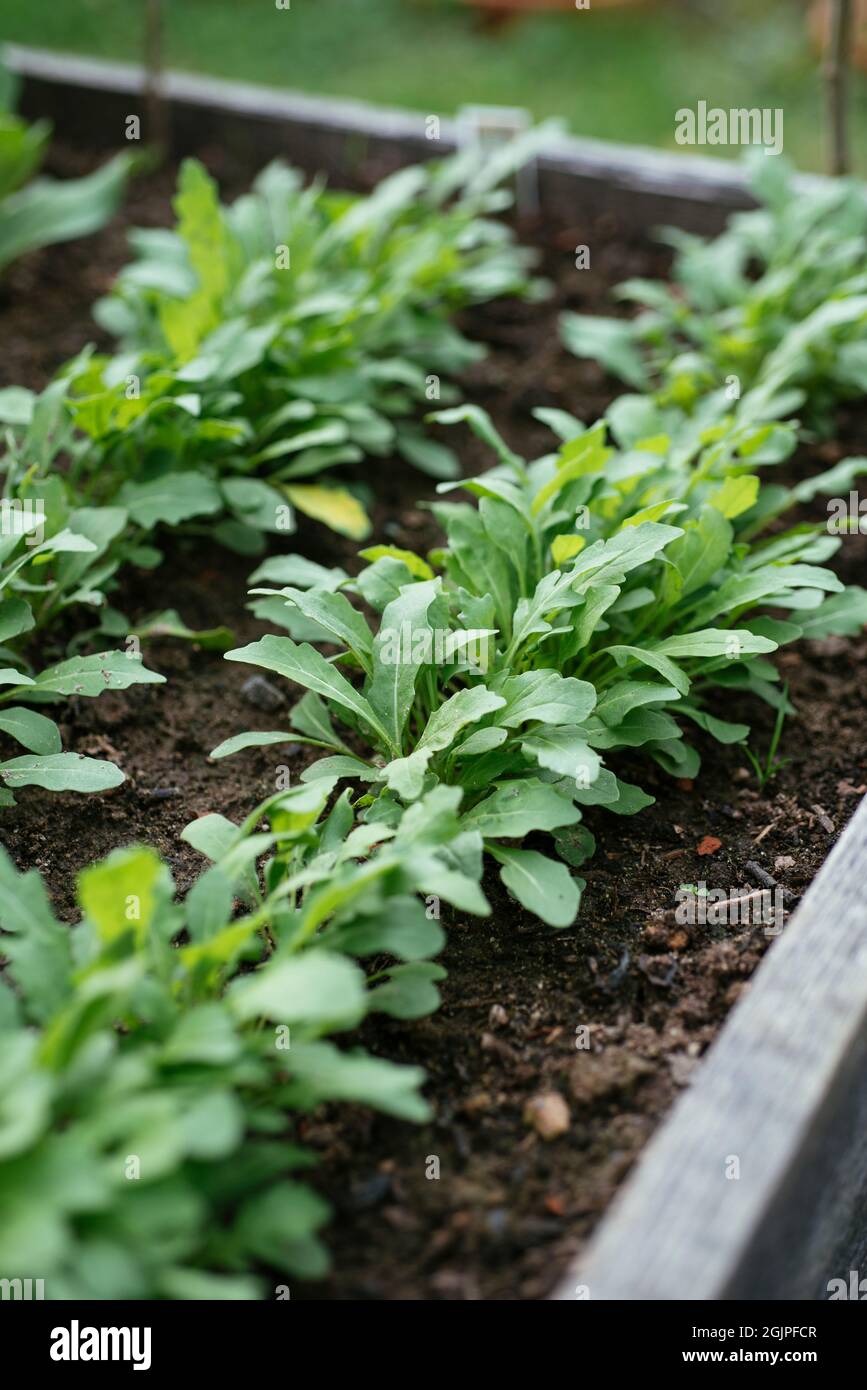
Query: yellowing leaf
(654,444)
(565,546)
(736,495)
(578,457)
(120,892)
(333,506)
(414,563)
(653,512)
(212,252)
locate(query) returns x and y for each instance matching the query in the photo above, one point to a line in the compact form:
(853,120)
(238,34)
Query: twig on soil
(759,874)
(768,828)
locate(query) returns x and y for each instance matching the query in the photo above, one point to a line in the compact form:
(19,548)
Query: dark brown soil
(508,1210)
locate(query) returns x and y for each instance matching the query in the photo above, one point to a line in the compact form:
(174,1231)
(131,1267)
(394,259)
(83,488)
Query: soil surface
(613,1015)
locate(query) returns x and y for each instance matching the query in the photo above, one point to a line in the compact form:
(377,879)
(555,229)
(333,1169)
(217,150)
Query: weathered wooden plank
(90,99)
(784,1092)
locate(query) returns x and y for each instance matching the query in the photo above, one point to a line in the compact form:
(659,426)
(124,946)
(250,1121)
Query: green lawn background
(615,75)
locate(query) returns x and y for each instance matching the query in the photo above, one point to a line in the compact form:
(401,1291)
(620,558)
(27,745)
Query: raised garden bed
(511,1212)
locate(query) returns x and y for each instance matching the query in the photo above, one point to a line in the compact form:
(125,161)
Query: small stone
(682,1068)
(260,692)
(829,646)
(823,818)
(498,1017)
(612,1072)
(369,1191)
(783,862)
(548,1114)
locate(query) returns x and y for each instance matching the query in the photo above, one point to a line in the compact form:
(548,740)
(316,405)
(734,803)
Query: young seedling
(772,765)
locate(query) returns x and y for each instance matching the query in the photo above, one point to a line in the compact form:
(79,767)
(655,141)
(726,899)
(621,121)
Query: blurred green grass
(615,75)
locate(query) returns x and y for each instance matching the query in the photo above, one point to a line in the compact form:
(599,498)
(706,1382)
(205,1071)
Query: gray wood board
(89,100)
(783,1090)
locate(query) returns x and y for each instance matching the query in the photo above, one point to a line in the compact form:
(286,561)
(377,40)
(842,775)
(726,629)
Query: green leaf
(39,947)
(321,1072)
(61,772)
(49,211)
(317,988)
(543,695)
(269,1223)
(237,742)
(169,624)
(15,618)
(399,928)
(208,905)
(714,642)
(564,751)
(340,621)
(212,835)
(515,808)
(611,342)
(616,702)
(697,555)
(409,991)
(33,730)
(173,498)
(304,665)
(395,668)
(540,884)
(91,675)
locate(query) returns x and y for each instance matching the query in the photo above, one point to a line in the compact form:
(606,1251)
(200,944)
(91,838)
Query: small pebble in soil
(682,1068)
(369,1191)
(497,1018)
(497,1221)
(548,1114)
(161,793)
(783,862)
(823,818)
(260,692)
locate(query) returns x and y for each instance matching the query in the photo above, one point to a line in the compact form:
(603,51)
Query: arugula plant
(156,1059)
(53,557)
(775,305)
(47,211)
(588,604)
(292,333)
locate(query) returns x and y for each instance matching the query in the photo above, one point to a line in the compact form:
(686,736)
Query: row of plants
(152,1075)
(592,601)
(775,305)
(42,211)
(237,360)
(596,599)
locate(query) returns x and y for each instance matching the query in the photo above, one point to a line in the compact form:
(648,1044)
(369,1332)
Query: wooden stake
(836,71)
(155,104)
